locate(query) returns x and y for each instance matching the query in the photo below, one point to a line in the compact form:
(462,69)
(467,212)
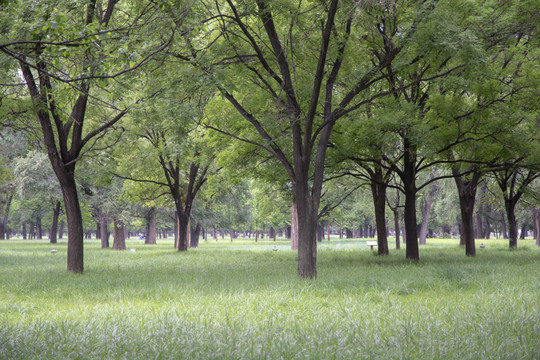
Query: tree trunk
(150,235)
(479,226)
(176,229)
(307,227)
(183,230)
(512,223)
(53,233)
(119,235)
(103,231)
(272,233)
(523,232)
(24,235)
(61,230)
(328,230)
(409,183)
(4,220)
(428,199)
(294,226)
(75,256)
(195,233)
(467,196)
(536,225)
(378,190)
(397,229)
(39,229)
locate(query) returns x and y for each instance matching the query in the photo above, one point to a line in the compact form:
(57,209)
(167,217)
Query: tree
(165,134)
(65,57)
(292,96)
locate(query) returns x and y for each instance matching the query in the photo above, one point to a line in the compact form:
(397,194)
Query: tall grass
(244,301)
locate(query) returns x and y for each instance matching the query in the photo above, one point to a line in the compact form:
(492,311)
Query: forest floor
(244,301)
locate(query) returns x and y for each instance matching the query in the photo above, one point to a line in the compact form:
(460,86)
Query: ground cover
(244,301)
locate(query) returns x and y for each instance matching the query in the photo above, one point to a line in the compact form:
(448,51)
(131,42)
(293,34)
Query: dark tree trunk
(183,230)
(512,223)
(150,235)
(467,196)
(75,257)
(24,236)
(53,234)
(408,177)
(272,233)
(195,233)
(523,232)
(119,242)
(320,232)
(378,190)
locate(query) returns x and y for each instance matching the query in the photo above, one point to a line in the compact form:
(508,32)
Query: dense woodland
(209,120)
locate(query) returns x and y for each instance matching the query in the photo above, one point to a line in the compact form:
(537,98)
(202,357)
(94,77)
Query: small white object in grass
(133,250)
(482,245)
(338,244)
(54,250)
(274,248)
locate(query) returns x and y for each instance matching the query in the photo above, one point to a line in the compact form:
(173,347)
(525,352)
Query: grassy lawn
(244,301)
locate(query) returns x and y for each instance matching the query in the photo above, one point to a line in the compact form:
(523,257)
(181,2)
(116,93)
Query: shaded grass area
(244,301)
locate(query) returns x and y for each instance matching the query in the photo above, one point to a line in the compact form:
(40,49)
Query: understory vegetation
(242,300)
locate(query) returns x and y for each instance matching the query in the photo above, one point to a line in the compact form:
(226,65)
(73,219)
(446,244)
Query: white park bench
(371,244)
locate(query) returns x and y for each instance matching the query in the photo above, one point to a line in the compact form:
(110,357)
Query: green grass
(244,301)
